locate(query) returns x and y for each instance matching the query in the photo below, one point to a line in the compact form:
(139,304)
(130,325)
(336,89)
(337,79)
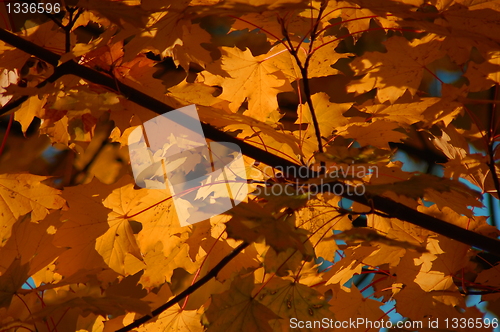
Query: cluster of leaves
(334,84)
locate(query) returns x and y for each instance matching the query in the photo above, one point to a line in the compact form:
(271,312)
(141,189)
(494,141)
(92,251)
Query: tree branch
(211,274)
(305,81)
(379,203)
(403,212)
(142,99)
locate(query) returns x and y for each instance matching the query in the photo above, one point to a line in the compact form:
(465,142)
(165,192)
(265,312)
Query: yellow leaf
(289,299)
(251,222)
(84,222)
(32,243)
(254,130)
(254,79)
(116,243)
(377,134)
(175,319)
(321,61)
(349,303)
(403,113)
(443,192)
(329,115)
(236,310)
(162,261)
(398,70)
(484,75)
(24,193)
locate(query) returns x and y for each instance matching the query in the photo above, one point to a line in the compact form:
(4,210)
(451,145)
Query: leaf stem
(7,131)
(197,274)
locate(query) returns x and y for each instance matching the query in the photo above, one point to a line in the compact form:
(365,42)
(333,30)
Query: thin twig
(211,274)
(305,79)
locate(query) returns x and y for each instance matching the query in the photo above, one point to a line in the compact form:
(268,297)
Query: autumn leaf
(440,192)
(349,302)
(483,75)
(32,243)
(161,262)
(208,247)
(84,222)
(290,299)
(402,71)
(175,319)
(25,193)
(329,115)
(377,134)
(11,280)
(236,309)
(250,223)
(253,79)
(248,127)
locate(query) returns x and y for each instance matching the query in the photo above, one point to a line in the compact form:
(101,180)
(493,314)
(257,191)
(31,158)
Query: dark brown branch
(403,212)
(211,274)
(142,99)
(13,103)
(379,203)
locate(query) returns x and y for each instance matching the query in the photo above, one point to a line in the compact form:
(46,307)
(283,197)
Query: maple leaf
(98,305)
(186,93)
(440,192)
(324,57)
(397,229)
(209,249)
(25,193)
(191,50)
(169,24)
(349,302)
(321,221)
(236,309)
(329,115)
(289,299)
(248,127)
(377,134)
(474,19)
(438,303)
(117,12)
(264,21)
(175,319)
(254,79)
(489,277)
(402,71)
(350,265)
(251,222)
(482,76)
(162,261)
(31,243)
(403,113)
(84,222)
(45,35)
(11,280)
(118,241)
(28,110)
